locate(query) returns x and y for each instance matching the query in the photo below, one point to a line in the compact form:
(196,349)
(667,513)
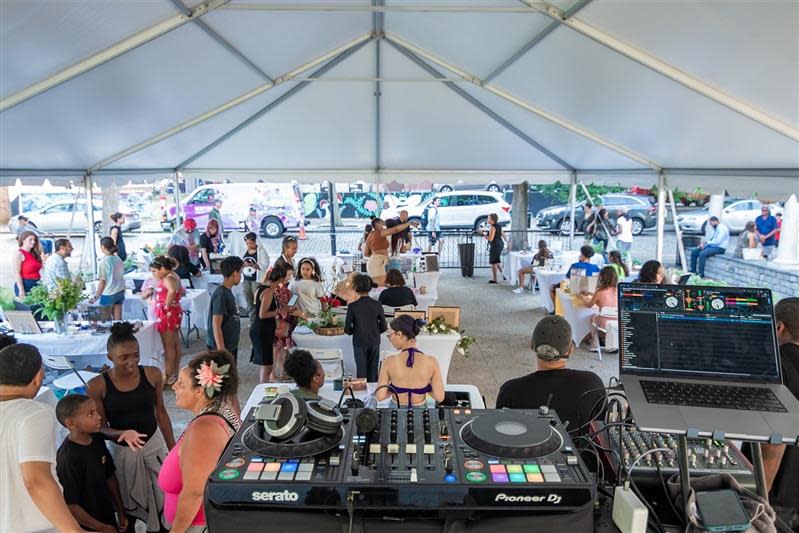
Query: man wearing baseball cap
(552,345)
(189,237)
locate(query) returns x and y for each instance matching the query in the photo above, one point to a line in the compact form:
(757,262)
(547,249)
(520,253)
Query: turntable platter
(511,434)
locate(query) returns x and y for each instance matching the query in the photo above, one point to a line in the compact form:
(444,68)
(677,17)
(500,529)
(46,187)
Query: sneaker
(518,290)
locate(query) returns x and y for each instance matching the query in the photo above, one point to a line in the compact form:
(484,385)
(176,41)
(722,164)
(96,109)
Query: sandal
(492,281)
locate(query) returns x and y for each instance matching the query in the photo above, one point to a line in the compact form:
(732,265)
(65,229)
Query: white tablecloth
(514,261)
(439,346)
(85,349)
(198,301)
(576,314)
(209,282)
(427,279)
(327,392)
(548,278)
(425,300)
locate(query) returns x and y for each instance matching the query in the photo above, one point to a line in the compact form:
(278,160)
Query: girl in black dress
(262,328)
(496,242)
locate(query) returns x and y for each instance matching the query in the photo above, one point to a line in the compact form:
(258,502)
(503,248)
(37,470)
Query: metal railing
(347,240)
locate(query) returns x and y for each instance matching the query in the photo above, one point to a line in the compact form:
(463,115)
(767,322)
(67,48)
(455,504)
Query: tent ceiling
(329,126)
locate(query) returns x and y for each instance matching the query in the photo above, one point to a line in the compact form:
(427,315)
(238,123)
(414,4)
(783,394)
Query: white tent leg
(572,202)
(89,251)
(678,232)
(661,215)
(178,214)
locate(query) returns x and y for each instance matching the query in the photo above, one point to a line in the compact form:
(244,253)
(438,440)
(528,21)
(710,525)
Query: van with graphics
(277,207)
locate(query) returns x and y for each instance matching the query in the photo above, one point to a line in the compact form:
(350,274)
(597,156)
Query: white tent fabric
(393,90)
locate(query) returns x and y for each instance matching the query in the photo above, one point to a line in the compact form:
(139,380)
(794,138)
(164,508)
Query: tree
(518,239)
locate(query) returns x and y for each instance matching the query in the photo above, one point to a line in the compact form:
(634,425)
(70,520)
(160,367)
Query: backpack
(425,217)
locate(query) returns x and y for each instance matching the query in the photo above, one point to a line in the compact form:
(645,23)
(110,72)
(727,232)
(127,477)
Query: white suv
(460,209)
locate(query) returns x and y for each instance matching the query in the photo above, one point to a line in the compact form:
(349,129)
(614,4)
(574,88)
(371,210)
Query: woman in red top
(27,263)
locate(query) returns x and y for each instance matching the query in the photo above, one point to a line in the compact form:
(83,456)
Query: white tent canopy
(387,90)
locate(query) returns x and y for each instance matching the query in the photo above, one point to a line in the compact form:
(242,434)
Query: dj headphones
(285,416)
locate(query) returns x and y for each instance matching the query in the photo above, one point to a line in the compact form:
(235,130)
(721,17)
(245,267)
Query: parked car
(57,218)
(462,209)
(642,212)
(735,215)
(278,206)
(459,185)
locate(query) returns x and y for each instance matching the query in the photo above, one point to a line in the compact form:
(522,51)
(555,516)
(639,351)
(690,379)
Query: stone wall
(782,281)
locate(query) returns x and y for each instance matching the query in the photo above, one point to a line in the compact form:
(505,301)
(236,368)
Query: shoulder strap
(218,415)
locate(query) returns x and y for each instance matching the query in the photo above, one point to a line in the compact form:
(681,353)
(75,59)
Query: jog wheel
(304,444)
(511,434)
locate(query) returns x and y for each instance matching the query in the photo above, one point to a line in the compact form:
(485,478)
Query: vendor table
(548,278)
(327,392)
(514,261)
(576,314)
(439,346)
(85,349)
(207,281)
(426,279)
(196,301)
(425,300)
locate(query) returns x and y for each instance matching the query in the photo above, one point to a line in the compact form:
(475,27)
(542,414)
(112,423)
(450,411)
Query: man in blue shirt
(584,264)
(717,236)
(766,226)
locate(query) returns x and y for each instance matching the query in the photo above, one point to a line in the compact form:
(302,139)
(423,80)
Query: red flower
(336,302)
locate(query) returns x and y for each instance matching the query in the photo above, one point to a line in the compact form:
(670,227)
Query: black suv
(641,210)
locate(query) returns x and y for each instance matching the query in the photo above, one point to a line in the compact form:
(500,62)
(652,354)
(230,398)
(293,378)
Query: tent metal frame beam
(212,33)
(522,103)
(227,105)
(540,36)
(667,70)
(482,107)
(399,8)
(113,51)
(347,52)
(377,29)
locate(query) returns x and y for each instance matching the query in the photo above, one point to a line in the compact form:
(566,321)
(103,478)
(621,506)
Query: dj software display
(318,459)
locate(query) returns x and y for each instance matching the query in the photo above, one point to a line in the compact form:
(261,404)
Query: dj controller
(313,457)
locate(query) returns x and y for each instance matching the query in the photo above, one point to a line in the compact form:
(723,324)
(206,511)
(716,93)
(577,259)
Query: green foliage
(7,299)
(560,191)
(55,303)
(438,326)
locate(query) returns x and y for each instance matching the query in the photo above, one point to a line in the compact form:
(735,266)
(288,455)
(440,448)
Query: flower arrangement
(326,322)
(438,326)
(55,303)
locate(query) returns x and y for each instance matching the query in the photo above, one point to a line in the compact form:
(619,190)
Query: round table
(439,346)
(196,301)
(548,278)
(86,349)
(514,261)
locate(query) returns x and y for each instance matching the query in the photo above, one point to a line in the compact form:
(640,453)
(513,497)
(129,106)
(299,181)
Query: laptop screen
(694,331)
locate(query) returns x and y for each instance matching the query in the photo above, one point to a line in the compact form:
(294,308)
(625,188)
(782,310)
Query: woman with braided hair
(410,373)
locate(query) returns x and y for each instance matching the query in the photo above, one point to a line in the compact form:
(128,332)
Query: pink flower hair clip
(210,377)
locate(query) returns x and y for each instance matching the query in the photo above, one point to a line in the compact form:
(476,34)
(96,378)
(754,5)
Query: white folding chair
(332,361)
(611,314)
(73,380)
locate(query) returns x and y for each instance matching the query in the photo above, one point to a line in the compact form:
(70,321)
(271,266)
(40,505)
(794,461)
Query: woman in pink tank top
(205,387)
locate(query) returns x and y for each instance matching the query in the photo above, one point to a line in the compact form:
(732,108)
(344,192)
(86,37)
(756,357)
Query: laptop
(703,361)
(22,322)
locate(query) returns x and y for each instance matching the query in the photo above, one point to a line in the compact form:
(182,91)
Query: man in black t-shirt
(552,344)
(781,462)
(223,328)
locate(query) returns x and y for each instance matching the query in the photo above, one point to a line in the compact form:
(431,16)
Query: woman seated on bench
(410,374)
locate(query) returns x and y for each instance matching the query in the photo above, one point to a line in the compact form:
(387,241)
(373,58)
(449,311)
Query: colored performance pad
(289,467)
(497,469)
(514,469)
(517,478)
(531,469)
(255,467)
(499,478)
(272,467)
(535,478)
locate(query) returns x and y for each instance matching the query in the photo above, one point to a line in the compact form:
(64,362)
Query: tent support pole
(331,198)
(415,51)
(572,202)
(661,215)
(103,56)
(178,214)
(89,250)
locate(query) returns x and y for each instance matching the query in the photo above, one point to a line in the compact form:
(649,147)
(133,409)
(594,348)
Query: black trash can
(466,252)
(689,242)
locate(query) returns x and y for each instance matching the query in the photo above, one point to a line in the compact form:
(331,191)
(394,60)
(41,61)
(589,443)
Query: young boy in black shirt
(85,468)
(365,322)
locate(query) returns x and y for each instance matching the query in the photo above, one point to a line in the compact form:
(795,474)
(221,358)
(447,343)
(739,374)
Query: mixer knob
(726,448)
(448,464)
(723,460)
(693,460)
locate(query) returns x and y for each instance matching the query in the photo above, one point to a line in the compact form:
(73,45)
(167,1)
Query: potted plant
(327,322)
(438,326)
(54,304)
